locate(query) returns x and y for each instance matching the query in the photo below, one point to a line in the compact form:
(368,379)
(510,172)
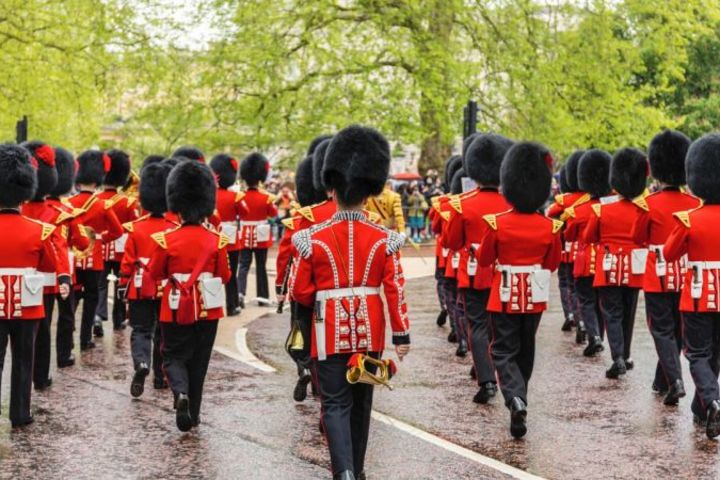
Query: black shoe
(361,476)
(487,391)
(344,475)
(68,362)
(241,302)
(182,413)
(567,325)
(159,383)
(195,421)
(87,346)
(629,363)
(518,415)
(594,347)
(137,386)
(43,385)
(580,333)
(119,326)
(462,349)
(473,375)
(234,311)
(660,390)
(98,330)
(441,318)
(712,425)
(23,423)
(300,392)
(452,337)
(314,390)
(616,369)
(675,393)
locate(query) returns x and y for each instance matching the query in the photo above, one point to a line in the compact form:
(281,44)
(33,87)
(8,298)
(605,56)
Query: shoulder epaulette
(89,202)
(684,218)
(455,203)
(239,196)
(160,239)
(289,223)
(307,213)
(223,240)
(568,213)
(584,198)
(642,203)
(302,242)
(556,225)
(597,208)
(491,220)
(128,226)
(47,229)
(445,216)
(395,241)
(63,215)
(560,199)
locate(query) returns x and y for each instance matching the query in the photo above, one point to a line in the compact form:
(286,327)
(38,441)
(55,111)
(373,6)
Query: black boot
(452,336)
(568,324)
(159,383)
(712,427)
(441,318)
(594,347)
(462,348)
(182,413)
(629,363)
(616,369)
(137,386)
(518,415)
(580,333)
(676,392)
(344,475)
(300,392)
(87,346)
(486,392)
(473,374)
(98,329)
(43,385)
(67,362)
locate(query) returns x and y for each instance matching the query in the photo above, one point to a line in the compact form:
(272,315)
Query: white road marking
(454,448)
(243,353)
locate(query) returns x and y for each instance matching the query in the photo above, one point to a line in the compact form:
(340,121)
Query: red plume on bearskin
(47,154)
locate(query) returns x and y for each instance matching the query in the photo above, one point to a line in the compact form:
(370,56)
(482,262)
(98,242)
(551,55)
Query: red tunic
(126,210)
(652,229)
(99,217)
(619,261)
(28,247)
(177,252)
(343,263)
(255,230)
(524,248)
(230,209)
(583,253)
(467,228)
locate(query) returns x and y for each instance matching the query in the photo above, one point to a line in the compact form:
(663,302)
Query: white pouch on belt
(213,292)
(455,260)
(120,243)
(230,230)
(31,294)
(262,232)
(540,285)
(638,261)
(472,266)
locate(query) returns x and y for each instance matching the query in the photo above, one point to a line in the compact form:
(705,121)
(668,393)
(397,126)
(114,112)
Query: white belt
(518,269)
(254,223)
(705,265)
(184,277)
(16,272)
(50,279)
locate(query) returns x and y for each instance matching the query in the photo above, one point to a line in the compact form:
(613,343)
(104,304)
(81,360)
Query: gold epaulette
(684,218)
(445,216)
(642,203)
(556,225)
(47,229)
(128,226)
(491,220)
(223,241)
(131,200)
(455,203)
(160,239)
(289,223)
(560,199)
(568,213)
(307,213)
(597,208)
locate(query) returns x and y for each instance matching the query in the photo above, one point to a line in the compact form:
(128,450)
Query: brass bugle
(359,374)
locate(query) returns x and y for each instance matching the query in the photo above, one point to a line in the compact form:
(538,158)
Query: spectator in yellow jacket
(389,206)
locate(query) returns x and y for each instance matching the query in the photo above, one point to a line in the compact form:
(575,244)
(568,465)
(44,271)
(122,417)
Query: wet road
(580,424)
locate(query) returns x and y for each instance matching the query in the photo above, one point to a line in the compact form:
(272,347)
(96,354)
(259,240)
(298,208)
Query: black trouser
(589,306)
(619,305)
(231,287)
(567,289)
(41,364)
(21,334)
(665,324)
(303,316)
(478,319)
(261,279)
(513,349)
(186,351)
(65,326)
(441,288)
(702,349)
(455,309)
(346,410)
(145,336)
(89,281)
(118,310)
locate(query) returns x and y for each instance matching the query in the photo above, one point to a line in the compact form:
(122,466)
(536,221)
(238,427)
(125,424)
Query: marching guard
(524,247)
(192,259)
(343,265)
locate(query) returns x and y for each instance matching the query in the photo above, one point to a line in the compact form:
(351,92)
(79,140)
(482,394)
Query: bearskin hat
(667,154)
(318,162)
(305,190)
(484,156)
(703,168)
(65,166)
(153,182)
(191,191)
(43,159)
(357,164)
(225,168)
(526,176)
(628,172)
(191,153)
(173,161)
(594,173)
(317,141)
(18,179)
(562,180)
(254,168)
(119,168)
(466,143)
(151,159)
(571,170)
(93,165)
(452,165)
(456,187)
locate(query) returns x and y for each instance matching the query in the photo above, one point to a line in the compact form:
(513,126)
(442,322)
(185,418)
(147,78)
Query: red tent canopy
(408,176)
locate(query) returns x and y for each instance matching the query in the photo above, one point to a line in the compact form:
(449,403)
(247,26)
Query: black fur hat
(357,164)
(526,176)
(18,180)
(306,193)
(65,166)
(254,168)
(484,156)
(151,159)
(119,168)
(43,159)
(318,163)
(452,165)
(93,165)
(466,143)
(628,172)
(667,154)
(703,168)
(191,153)
(315,142)
(173,161)
(456,181)
(571,170)
(225,168)
(594,173)
(153,183)
(562,180)
(191,191)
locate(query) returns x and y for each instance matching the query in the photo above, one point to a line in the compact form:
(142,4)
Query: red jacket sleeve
(285,252)
(641,228)
(222,265)
(113,225)
(302,285)
(555,210)
(48,257)
(592,230)
(394,288)
(454,237)
(62,261)
(158,264)
(487,253)
(127,266)
(677,243)
(552,257)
